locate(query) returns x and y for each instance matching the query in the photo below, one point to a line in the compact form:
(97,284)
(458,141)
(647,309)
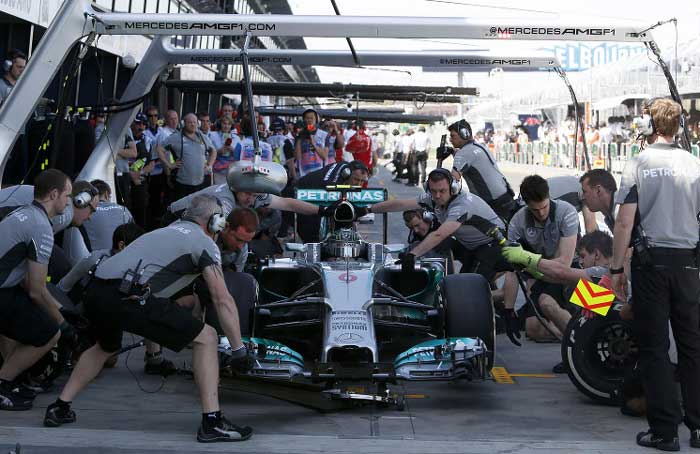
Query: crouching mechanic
(29,316)
(462,215)
(230,197)
(547,227)
(595,252)
(131,291)
(419,224)
(85,199)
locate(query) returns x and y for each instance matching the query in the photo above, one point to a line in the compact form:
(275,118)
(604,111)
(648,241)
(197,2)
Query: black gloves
(325,211)
(443,152)
(240,360)
(407,261)
(512,325)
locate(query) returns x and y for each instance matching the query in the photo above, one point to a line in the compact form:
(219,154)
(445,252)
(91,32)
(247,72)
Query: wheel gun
(441,152)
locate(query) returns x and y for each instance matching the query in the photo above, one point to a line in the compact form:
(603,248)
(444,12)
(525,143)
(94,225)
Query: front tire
(469,310)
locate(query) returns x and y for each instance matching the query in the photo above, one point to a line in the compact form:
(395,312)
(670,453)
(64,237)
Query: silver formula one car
(342,312)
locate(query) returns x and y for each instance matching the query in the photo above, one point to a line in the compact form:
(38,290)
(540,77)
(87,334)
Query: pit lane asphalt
(531,415)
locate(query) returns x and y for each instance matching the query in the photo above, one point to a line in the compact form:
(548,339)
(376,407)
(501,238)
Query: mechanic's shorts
(22,320)
(159,320)
(486,260)
(556,291)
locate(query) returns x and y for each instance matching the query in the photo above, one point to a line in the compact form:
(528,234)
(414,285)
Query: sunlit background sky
(641,13)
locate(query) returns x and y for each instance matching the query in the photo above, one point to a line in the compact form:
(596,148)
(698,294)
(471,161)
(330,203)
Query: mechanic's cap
(277,124)
(141,118)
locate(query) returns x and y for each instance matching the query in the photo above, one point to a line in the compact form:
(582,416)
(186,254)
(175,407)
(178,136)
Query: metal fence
(610,156)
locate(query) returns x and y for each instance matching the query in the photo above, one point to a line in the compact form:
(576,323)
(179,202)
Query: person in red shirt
(360,145)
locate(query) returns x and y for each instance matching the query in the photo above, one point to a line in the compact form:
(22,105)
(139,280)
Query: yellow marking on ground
(415,396)
(501,375)
(534,375)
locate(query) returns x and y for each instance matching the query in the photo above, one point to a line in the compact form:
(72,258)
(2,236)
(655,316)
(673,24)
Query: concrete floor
(531,415)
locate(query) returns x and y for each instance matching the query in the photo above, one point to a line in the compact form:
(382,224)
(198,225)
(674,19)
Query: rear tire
(599,354)
(469,310)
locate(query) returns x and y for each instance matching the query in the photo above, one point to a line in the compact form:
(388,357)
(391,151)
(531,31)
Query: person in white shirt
(421,143)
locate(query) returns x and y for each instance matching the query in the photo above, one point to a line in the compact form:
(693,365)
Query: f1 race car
(342,312)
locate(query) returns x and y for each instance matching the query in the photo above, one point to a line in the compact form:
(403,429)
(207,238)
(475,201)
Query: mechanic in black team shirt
(462,215)
(474,163)
(29,315)
(354,173)
(659,201)
(132,291)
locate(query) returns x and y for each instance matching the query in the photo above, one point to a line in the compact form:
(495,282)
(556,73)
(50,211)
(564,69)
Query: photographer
(659,199)
(132,291)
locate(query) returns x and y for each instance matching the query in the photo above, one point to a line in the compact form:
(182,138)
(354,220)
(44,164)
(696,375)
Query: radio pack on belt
(640,245)
(130,286)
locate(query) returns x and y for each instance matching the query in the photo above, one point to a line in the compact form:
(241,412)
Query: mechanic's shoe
(695,438)
(165,368)
(11,400)
(58,414)
(36,386)
(559,369)
(223,431)
(649,440)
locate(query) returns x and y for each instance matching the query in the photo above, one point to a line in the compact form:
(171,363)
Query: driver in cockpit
(353,173)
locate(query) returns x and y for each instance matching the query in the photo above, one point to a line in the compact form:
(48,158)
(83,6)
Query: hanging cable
(577,117)
(672,88)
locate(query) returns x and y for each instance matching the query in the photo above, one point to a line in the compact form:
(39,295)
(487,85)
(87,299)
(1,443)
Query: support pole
(249,94)
(65,30)
(559,70)
(101,161)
